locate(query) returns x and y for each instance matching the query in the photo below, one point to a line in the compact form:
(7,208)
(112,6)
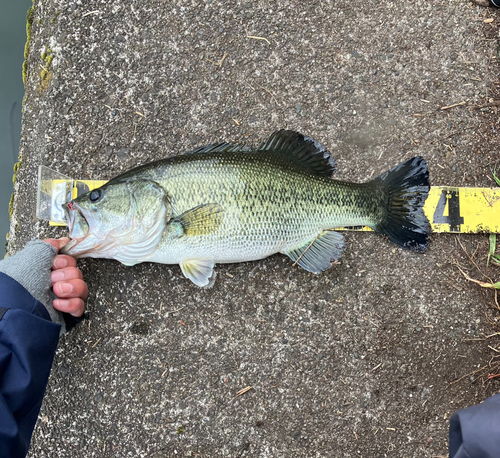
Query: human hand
(67,281)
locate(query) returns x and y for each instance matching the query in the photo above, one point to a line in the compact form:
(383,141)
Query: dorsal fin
(294,146)
(222,148)
(303,150)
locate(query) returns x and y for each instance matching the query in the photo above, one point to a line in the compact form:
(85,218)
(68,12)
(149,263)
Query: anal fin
(317,255)
(199,271)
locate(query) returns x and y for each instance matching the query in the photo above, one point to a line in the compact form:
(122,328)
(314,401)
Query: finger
(71,288)
(74,306)
(68,273)
(63,260)
(57,243)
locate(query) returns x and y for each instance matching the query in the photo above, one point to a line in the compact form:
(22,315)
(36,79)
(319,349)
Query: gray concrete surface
(356,362)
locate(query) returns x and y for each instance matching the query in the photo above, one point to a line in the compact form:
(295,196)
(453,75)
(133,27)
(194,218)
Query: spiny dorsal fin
(222,148)
(201,220)
(303,150)
(317,255)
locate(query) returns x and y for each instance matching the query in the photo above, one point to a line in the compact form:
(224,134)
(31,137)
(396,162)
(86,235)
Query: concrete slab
(354,362)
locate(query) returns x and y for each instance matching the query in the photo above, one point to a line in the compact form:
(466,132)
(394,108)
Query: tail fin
(407,187)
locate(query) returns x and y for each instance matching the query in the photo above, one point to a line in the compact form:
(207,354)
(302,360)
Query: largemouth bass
(231,203)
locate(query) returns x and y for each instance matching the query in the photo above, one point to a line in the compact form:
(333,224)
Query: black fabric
(475,431)
(14,296)
(71,321)
(28,342)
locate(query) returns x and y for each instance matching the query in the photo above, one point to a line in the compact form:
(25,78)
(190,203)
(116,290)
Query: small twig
(453,285)
(177,310)
(452,106)
(467,375)
(305,251)
(244,390)
(495,103)
(91,12)
(222,60)
(100,338)
(268,91)
(259,38)
(219,64)
(472,260)
(480,283)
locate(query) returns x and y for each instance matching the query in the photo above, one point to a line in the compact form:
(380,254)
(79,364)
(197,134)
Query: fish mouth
(78,227)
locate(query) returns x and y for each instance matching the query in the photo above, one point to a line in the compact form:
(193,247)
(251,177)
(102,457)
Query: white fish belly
(225,249)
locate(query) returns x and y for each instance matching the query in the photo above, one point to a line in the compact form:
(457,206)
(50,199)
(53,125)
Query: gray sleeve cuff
(31,268)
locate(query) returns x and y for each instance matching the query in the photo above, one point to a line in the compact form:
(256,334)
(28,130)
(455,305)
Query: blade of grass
(493,245)
(495,176)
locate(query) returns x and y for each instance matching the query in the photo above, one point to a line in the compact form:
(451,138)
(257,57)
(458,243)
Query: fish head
(123,220)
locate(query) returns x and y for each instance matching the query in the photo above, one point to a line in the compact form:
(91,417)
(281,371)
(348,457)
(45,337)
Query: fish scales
(270,206)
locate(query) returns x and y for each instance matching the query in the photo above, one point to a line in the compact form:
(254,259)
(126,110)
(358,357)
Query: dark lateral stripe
(2,312)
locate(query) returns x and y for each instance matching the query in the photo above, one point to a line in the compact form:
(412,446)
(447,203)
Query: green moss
(46,73)
(180,429)
(11,205)
(29,23)
(17,166)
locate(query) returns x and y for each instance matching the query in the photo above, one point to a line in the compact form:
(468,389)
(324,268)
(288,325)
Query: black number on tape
(81,188)
(452,199)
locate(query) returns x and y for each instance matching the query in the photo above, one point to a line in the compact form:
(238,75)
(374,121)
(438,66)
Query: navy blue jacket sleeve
(475,431)
(28,341)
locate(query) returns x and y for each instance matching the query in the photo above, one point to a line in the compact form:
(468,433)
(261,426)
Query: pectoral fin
(317,255)
(201,220)
(199,271)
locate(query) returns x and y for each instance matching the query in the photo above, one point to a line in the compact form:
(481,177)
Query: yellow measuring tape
(466,210)
(461,210)
(458,210)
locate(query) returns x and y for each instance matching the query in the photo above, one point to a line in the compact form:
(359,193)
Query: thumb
(57,243)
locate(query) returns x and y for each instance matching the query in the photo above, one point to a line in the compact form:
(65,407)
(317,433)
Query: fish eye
(95,195)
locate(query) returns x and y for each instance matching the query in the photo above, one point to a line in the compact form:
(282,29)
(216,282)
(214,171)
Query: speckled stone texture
(355,362)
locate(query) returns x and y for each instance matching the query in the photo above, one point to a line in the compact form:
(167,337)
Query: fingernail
(62,303)
(65,288)
(60,263)
(57,276)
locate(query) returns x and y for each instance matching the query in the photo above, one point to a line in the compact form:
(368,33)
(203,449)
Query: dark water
(12,40)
